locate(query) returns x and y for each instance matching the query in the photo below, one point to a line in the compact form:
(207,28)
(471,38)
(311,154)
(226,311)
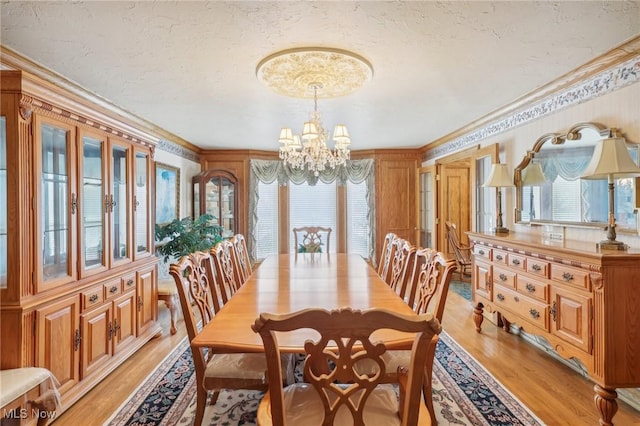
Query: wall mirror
(549,188)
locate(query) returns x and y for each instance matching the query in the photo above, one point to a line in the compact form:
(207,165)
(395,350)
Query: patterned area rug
(464,393)
(463,288)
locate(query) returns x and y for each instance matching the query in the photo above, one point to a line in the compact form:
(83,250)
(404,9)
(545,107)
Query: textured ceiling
(189,67)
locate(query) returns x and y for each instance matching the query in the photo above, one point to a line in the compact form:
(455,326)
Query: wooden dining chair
(401,266)
(226,269)
(429,286)
(461,251)
(199,300)
(242,256)
(312,239)
(386,255)
(333,392)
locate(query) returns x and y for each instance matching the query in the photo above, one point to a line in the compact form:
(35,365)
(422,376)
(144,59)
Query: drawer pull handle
(534,313)
(515,261)
(503,277)
(516,298)
(499,256)
(536,267)
(481,252)
(530,288)
(553,311)
(93,298)
(567,276)
(500,297)
(113,289)
(129,283)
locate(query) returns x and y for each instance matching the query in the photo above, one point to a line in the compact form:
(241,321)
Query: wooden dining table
(287,283)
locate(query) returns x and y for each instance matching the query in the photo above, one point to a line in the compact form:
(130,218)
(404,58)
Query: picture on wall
(167,193)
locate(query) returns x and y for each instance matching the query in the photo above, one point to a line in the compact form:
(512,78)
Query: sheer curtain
(268,171)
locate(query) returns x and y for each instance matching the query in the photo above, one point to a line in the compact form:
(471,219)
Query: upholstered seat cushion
(246,366)
(392,360)
(167,287)
(303,407)
(18,381)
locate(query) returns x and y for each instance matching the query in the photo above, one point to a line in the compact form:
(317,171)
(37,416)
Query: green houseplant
(183,236)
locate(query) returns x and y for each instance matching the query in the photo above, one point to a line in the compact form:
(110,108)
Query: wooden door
(124,321)
(454,193)
(58,342)
(395,199)
(426,228)
(482,280)
(96,344)
(571,317)
(147,299)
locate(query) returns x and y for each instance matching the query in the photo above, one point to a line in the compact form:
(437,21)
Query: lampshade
(610,158)
(533,175)
(341,135)
(499,177)
(309,130)
(286,136)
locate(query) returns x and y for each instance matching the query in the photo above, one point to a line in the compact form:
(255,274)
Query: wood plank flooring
(554,392)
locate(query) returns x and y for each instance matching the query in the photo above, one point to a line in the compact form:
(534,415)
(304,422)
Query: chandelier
(313,152)
(297,73)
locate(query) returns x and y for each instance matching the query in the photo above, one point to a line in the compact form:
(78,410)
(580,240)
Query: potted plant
(184,236)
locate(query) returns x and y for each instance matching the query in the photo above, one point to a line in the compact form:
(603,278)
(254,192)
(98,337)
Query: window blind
(358,229)
(313,206)
(267,224)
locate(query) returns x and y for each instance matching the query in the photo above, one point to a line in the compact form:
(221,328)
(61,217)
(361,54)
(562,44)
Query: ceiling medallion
(293,72)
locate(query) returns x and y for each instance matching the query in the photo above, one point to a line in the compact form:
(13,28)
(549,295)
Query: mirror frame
(574,133)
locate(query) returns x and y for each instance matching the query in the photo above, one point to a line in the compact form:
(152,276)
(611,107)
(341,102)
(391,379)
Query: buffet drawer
(538,267)
(575,277)
(528,309)
(504,277)
(533,288)
(482,251)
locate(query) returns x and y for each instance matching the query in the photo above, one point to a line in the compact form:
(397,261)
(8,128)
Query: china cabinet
(214,193)
(580,300)
(78,284)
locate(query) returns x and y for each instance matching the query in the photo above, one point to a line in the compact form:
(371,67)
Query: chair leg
(201,402)
(214,397)
(172,304)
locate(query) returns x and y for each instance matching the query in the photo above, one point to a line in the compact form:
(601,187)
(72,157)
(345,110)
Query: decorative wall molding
(179,150)
(612,79)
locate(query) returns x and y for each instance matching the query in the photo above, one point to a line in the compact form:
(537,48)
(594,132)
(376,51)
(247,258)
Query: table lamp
(611,160)
(532,176)
(499,177)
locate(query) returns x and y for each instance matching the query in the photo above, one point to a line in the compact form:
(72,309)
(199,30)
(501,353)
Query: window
(267,222)
(358,227)
(486,197)
(313,206)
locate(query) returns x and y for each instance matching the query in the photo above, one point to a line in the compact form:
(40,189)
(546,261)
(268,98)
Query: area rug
(463,288)
(464,393)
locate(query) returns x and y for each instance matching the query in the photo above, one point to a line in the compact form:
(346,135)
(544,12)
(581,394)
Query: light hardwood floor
(554,392)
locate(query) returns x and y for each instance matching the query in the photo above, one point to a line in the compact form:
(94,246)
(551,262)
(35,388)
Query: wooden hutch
(78,280)
(584,302)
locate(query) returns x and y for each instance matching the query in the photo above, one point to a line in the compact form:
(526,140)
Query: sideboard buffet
(78,278)
(583,301)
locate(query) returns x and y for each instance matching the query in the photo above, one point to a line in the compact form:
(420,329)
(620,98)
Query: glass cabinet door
(118,203)
(214,193)
(141,204)
(93,235)
(3,203)
(57,204)
(227,191)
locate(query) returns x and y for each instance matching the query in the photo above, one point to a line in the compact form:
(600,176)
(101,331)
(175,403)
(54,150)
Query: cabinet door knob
(553,311)
(74,203)
(76,340)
